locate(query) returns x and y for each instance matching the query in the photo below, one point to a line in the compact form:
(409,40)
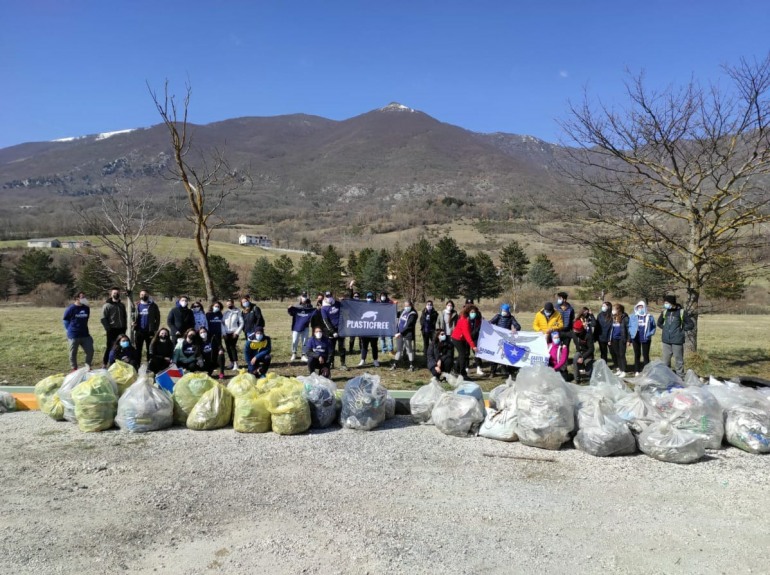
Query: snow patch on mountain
(105,135)
(396,107)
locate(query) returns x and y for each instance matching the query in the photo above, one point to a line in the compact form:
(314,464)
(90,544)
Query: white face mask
(383,298)
(204,336)
(83,301)
(318,335)
(216,309)
(183,303)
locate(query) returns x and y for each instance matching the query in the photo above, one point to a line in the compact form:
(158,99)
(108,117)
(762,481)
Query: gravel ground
(400,499)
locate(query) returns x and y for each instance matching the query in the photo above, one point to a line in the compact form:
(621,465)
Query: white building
(255,240)
(44,243)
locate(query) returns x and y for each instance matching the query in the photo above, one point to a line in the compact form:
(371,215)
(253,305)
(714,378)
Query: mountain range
(389,161)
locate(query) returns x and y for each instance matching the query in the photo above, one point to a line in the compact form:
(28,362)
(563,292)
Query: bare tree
(207,183)
(675,179)
(129,228)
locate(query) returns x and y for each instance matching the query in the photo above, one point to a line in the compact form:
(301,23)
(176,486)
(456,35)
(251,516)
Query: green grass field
(35,346)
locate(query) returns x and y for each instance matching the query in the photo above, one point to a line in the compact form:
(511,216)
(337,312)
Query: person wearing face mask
(330,314)
(301,314)
(441,354)
(567,312)
(428,319)
(641,328)
(557,352)
(114,321)
(180,318)
(252,315)
(199,315)
(146,321)
(447,318)
(232,325)
(603,329)
(386,342)
(187,353)
(258,352)
(123,350)
(505,320)
(369,342)
(212,353)
(547,320)
(474,319)
(405,328)
(318,350)
(76,325)
(619,339)
(161,351)
(462,339)
(673,322)
(352,341)
(583,360)
(588,319)
(214,319)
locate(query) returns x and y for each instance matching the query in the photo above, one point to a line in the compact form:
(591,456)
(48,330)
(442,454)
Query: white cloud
(563,74)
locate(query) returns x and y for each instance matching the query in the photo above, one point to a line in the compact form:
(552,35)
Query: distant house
(252,240)
(75,244)
(44,243)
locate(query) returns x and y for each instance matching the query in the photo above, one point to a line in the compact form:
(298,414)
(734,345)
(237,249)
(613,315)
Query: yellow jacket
(546,325)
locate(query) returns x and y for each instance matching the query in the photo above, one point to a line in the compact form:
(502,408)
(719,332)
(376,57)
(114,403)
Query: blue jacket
(505,321)
(644,325)
(603,329)
(331,316)
(128,355)
(301,316)
(214,319)
(76,321)
(315,348)
(259,349)
(567,316)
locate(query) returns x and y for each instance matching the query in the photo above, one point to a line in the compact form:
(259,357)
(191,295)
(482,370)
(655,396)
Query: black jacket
(603,329)
(180,319)
(584,346)
(505,321)
(406,329)
(441,350)
(114,315)
(673,323)
(252,319)
(428,321)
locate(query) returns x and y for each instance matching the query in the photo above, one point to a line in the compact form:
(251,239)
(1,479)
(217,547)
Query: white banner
(522,349)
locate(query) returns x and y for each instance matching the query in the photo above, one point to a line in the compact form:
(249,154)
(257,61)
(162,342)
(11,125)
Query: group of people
(198,339)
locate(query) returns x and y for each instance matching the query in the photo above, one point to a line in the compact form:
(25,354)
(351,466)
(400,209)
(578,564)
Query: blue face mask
(407,309)
(472,315)
(259,337)
(556,340)
(125,344)
(666,305)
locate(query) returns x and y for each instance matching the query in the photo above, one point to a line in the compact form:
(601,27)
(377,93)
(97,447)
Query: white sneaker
(234,366)
(304,358)
(293,357)
(479,371)
(376,363)
(361,363)
(621,374)
(637,374)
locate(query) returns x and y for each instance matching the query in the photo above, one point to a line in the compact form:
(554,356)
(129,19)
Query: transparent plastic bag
(457,415)
(213,410)
(363,403)
(7,402)
(187,391)
(496,392)
(96,402)
(545,408)
(71,381)
(664,442)
(46,394)
(424,400)
(748,428)
(251,413)
(637,411)
(693,409)
(472,390)
(657,378)
(602,433)
(321,396)
(242,384)
(606,382)
(289,410)
(507,398)
(144,406)
(500,425)
(124,374)
(691,379)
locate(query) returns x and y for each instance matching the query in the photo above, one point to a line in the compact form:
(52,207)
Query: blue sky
(75,67)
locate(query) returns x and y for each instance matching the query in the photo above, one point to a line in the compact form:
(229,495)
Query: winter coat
(623,325)
(161,349)
(146,316)
(603,329)
(441,350)
(258,349)
(232,321)
(315,348)
(567,316)
(76,321)
(558,356)
(214,320)
(643,325)
(331,317)
(545,324)
(179,320)
(407,321)
(475,325)
(428,321)
(252,318)
(673,324)
(114,315)
(584,346)
(187,355)
(462,331)
(505,321)
(128,355)
(200,319)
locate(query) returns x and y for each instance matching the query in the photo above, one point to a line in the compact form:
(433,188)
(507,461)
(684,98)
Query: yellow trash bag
(289,411)
(187,391)
(242,384)
(96,402)
(124,375)
(267,384)
(213,410)
(47,397)
(251,414)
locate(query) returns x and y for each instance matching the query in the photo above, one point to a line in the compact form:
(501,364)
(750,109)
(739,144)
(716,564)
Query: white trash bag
(424,400)
(664,442)
(694,409)
(458,415)
(602,433)
(545,408)
(144,406)
(499,424)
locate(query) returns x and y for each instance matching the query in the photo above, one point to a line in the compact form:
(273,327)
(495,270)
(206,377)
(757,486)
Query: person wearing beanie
(505,320)
(583,360)
(673,322)
(641,328)
(547,320)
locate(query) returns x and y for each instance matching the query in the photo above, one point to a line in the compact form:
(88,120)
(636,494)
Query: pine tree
(330,270)
(307,273)
(448,264)
(62,276)
(409,267)
(5,278)
(191,281)
(648,282)
(223,277)
(32,269)
(374,276)
(287,285)
(726,281)
(542,273)
(264,281)
(610,273)
(94,278)
(489,279)
(514,264)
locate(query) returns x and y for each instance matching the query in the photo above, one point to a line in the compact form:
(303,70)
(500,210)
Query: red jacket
(462,331)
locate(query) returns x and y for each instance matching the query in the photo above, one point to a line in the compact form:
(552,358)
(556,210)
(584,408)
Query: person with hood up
(673,322)
(187,354)
(318,350)
(331,313)
(583,360)
(405,328)
(462,338)
(252,315)
(428,319)
(200,316)
(567,317)
(123,350)
(161,351)
(180,319)
(301,313)
(641,328)
(146,322)
(232,325)
(369,342)
(114,320)
(258,352)
(76,325)
(505,320)
(547,320)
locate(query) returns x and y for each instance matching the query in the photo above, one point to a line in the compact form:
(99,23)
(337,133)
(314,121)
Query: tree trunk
(129,315)
(691,307)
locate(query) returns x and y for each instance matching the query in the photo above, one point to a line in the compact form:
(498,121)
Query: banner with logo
(522,349)
(367,319)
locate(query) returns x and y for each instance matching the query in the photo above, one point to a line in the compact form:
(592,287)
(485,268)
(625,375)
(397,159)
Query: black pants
(587,365)
(260,366)
(463,352)
(618,351)
(370,342)
(339,343)
(641,351)
(111,335)
(231,344)
(603,347)
(566,338)
(142,340)
(219,363)
(426,339)
(323,368)
(158,364)
(352,344)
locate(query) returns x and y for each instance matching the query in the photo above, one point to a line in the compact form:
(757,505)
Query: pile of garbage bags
(365,403)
